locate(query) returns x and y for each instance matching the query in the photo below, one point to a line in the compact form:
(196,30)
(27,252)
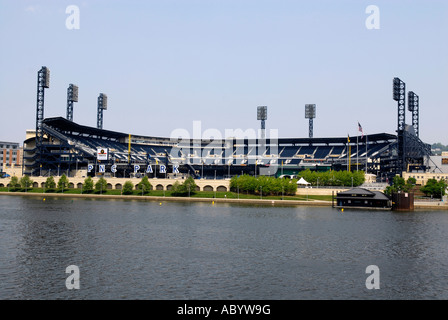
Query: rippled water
(144,250)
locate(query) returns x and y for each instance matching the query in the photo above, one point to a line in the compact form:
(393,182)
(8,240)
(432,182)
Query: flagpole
(349,153)
(366,154)
(357,151)
(362,132)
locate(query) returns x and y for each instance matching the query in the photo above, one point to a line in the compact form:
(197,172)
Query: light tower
(102,105)
(262,114)
(399,89)
(413,106)
(72,96)
(310,113)
(43,81)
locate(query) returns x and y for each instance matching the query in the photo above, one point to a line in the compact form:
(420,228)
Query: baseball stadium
(60,145)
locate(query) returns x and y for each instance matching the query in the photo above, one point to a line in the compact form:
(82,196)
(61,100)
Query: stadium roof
(65,125)
(70,126)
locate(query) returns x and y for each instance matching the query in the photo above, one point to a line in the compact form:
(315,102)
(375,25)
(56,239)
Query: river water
(173,250)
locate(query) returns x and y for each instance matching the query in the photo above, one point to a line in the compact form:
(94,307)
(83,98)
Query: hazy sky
(164,64)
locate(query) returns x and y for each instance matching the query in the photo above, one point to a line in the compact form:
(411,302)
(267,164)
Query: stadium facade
(63,146)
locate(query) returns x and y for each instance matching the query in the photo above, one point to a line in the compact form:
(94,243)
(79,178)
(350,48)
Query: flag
(348,138)
(360,130)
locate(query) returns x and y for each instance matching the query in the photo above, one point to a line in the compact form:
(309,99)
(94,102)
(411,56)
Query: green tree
(50,184)
(263,184)
(14,183)
(190,184)
(188,187)
(26,182)
(334,178)
(144,186)
(101,185)
(128,187)
(400,185)
(434,188)
(63,183)
(88,185)
(176,188)
(243,183)
(290,186)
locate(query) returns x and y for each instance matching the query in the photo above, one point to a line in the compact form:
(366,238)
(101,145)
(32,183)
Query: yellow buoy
(44,199)
(213,202)
(160,203)
(342,210)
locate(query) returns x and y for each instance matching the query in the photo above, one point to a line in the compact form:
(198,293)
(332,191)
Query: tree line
(333,178)
(432,187)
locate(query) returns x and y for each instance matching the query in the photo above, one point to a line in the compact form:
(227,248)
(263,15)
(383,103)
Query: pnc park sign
(149,169)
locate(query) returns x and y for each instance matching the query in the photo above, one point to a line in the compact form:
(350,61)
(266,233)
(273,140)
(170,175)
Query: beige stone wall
(165,184)
(117,183)
(13,170)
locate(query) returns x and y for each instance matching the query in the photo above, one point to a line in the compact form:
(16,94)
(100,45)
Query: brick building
(10,154)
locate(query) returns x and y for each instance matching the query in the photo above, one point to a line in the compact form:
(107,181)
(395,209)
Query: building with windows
(10,154)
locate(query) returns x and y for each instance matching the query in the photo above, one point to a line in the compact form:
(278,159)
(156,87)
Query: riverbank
(274,202)
(419,205)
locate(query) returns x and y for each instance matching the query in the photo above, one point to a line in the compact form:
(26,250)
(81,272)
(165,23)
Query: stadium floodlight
(398,94)
(399,88)
(262,114)
(43,82)
(72,96)
(102,105)
(310,113)
(413,106)
(74,92)
(102,99)
(46,74)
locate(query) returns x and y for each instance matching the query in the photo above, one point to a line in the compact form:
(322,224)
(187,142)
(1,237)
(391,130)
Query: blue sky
(164,64)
